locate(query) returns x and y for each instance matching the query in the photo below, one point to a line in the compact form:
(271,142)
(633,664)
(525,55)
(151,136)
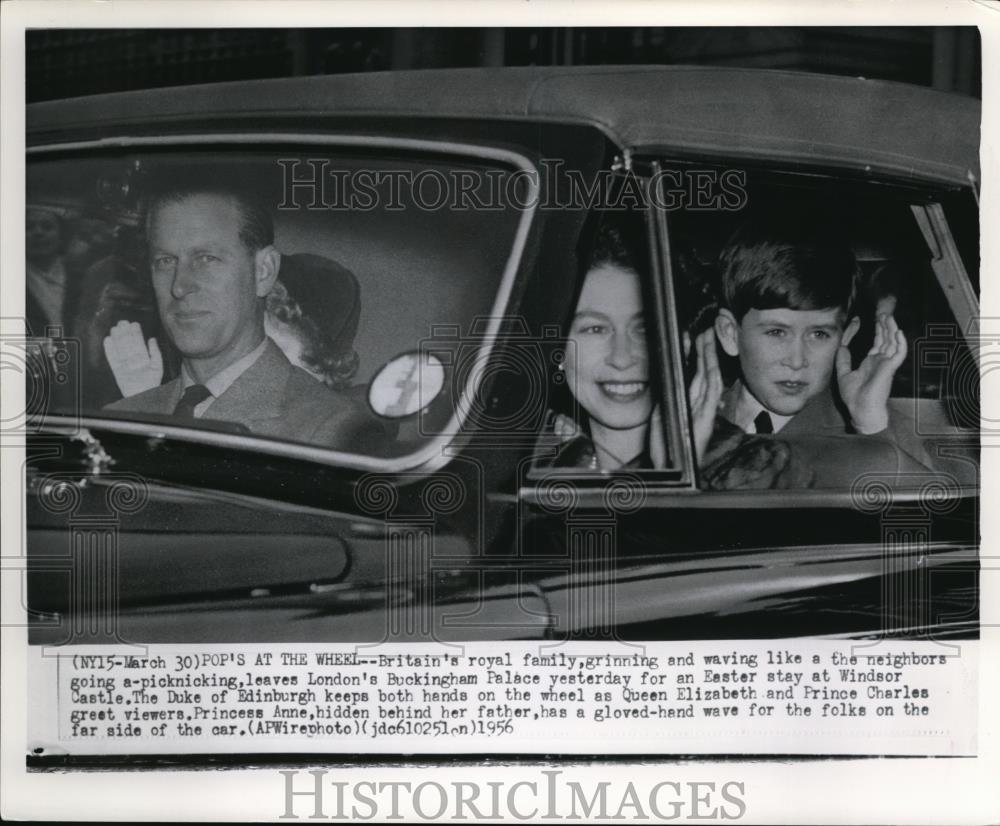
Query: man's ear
(267,262)
(727,330)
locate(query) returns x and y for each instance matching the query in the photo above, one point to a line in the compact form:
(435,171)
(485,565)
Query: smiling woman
(606,365)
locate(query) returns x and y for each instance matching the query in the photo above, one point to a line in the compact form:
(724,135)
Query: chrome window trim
(946,262)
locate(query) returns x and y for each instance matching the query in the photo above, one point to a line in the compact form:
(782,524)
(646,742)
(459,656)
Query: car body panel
(244,539)
(876,127)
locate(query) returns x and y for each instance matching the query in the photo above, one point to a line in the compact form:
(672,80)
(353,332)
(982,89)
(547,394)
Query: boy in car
(786,293)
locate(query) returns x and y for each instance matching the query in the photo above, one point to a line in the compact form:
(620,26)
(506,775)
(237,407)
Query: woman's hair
(612,246)
(619,242)
(335,366)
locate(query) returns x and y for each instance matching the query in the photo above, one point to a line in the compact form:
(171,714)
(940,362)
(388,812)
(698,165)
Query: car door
(141,528)
(652,554)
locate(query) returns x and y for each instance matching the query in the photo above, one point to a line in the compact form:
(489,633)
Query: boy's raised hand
(136,366)
(865,391)
(705,391)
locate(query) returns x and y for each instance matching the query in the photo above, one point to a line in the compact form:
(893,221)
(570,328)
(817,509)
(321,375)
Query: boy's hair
(782,261)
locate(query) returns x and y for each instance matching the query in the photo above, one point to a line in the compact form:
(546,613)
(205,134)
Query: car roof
(872,126)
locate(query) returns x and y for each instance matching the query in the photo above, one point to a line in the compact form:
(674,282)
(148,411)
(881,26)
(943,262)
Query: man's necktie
(190,399)
(763,423)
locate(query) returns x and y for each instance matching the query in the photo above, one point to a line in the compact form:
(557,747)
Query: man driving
(213,262)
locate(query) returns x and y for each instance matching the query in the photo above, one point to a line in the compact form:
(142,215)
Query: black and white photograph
(434,397)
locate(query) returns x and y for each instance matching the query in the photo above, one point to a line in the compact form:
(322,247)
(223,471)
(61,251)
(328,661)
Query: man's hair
(785,261)
(256,223)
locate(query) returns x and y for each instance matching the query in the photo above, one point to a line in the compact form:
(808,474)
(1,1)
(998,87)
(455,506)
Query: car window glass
(380,255)
(933,399)
(603,400)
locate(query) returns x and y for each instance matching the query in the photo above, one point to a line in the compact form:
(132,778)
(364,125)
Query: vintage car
(444,218)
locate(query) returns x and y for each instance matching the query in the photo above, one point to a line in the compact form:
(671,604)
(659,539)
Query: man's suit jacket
(823,446)
(273,398)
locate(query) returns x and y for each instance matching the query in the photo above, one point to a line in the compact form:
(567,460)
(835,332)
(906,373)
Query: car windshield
(377,257)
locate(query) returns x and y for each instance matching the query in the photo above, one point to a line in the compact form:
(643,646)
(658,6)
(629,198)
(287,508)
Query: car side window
(605,406)
(280,283)
(842,360)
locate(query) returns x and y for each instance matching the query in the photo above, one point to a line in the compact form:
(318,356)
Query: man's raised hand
(136,365)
